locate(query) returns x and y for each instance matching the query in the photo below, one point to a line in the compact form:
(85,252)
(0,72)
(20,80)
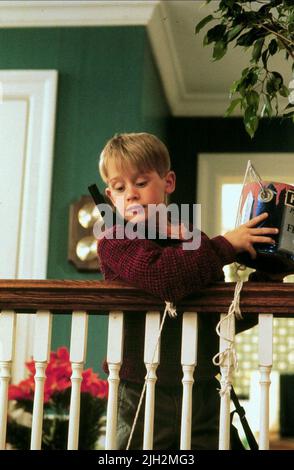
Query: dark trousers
(167,422)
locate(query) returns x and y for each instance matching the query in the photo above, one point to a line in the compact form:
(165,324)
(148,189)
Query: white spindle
(151,359)
(42,342)
(188,361)
(78,349)
(227,335)
(7,337)
(114,360)
(265,324)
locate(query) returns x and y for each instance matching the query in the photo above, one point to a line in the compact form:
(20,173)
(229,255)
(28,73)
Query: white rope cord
(229,354)
(170,309)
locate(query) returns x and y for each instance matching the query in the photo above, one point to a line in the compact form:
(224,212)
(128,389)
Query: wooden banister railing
(81,298)
(98,297)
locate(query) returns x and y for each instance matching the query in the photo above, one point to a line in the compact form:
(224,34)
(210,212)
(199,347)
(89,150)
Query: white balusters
(227,334)
(78,349)
(265,324)
(42,342)
(114,360)
(188,361)
(7,337)
(151,359)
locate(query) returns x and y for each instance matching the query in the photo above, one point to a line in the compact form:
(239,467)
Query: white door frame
(38,89)
(216,169)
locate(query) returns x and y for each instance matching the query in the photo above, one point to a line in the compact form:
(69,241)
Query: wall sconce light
(82,245)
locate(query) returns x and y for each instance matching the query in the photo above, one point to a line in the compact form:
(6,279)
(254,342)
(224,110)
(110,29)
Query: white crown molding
(14,14)
(167,61)
(203,104)
(150,13)
(182,102)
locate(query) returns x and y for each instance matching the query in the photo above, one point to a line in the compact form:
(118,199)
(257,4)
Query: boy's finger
(256,220)
(263,240)
(252,252)
(263,230)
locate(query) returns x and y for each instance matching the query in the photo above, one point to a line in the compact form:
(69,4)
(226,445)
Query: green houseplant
(266,28)
(56,406)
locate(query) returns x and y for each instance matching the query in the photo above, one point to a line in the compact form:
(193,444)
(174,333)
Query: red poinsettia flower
(58,373)
(23,391)
(93,385)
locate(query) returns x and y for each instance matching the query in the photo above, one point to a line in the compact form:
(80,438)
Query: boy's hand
(243,237)
(177,231)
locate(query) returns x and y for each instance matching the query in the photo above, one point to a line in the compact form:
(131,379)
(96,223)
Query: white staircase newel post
(78,349)
(151,359)
(114,360)
(188,361)
(42,343)
(227,335)
(7,340)
(265,324)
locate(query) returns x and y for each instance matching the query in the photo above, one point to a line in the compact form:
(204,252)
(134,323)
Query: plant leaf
(232,106)
(252,98)
(284,91)
(235,31)
(219,50)
(273,47)
(203,22)
(250,121)
(215,34)
(268,106)
(256,53)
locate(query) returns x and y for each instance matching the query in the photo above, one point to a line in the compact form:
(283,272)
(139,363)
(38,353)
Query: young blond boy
(136,169)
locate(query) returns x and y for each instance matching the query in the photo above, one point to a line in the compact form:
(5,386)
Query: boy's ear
(170,182)
(108,195)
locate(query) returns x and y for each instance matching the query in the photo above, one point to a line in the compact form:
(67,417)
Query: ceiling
(193,83)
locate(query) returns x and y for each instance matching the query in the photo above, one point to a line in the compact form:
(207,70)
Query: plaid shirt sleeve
(168,272)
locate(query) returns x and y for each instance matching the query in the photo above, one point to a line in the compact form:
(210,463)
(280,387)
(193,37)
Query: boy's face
(131,193)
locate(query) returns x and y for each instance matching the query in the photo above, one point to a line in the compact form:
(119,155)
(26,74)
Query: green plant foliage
(266,28)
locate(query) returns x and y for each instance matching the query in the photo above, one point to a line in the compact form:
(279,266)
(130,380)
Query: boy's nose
(132,193)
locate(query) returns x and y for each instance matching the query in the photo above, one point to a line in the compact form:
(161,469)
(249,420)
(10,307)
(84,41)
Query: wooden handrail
(98,297)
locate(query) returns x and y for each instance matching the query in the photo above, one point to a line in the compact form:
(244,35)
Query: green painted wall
(107,83)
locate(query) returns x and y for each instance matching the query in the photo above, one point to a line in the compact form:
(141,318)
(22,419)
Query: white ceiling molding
(181,101)
(167,61)
(16,14)
(202,104)
(150,13)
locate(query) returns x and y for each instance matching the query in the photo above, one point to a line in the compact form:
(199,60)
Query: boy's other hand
(243,237)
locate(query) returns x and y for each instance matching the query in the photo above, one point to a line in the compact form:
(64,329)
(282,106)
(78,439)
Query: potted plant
(57,391)
(266,28)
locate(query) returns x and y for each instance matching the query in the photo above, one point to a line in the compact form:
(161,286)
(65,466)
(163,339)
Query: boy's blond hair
(142,151)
